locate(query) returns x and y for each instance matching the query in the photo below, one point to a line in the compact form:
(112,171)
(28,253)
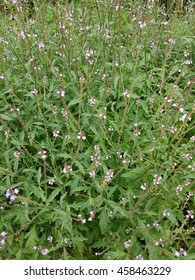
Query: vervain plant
(97,130)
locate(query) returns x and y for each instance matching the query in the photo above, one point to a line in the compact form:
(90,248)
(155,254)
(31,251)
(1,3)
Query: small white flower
(16,154)
(144,186)
(51,181)
(139,257)
(190,214)
(43,154)
(81,136)
(126,93)
(110,213)
(157,178)
(66,240)
(92,101)
(56,133)
(127,244)
(166,213)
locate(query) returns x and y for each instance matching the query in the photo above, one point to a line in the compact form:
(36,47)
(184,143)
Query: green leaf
(134,173)
(5,117)
(116,79)
(53,195)
(104,221)
(32,238)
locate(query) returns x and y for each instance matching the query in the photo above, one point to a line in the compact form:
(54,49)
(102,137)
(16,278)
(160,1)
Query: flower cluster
(11,194)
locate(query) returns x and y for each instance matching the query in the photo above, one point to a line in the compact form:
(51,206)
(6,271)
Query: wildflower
(127,244)
(166,213)
(61,91)
(157,178)
(109,175)
(173,129)
(92,173)
(160,242)
(192,138)
(126,93)
(110,128)
(110,213)
(181,252)
(142,24)
(139,257)
(51,181)
(92,216)
(43,154)
(67,168)
(156,224)
(92,101)
(126,161)
(64,113)
(50,238)
(190,214)
(188,62)
(16,154)
(66,239)
(44,251)
(34,91)
(183,117)
(143,186)
(56,133)
(12,194)
(41,45)
(96,147)
(2,76)
(81,136)
(2,237)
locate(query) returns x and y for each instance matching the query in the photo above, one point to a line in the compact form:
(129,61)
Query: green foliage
(97,131)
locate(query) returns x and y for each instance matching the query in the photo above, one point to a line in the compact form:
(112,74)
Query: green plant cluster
(97,131)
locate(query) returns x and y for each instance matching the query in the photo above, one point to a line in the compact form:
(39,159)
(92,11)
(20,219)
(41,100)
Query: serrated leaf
(53,195)
(104,221)
(6,117)
(32,238)
(73,102)
(116,79)
(134,173)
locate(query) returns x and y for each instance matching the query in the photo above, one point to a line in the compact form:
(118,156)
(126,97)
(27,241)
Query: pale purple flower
(127,243)
(50,238)
(2,237)
(67,168)
(92,173)
(12,194)
(181,252)
(44,251)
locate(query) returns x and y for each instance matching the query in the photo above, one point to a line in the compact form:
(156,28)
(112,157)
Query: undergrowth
(97,130)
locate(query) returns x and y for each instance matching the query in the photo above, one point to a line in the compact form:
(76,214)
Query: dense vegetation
(97,130)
